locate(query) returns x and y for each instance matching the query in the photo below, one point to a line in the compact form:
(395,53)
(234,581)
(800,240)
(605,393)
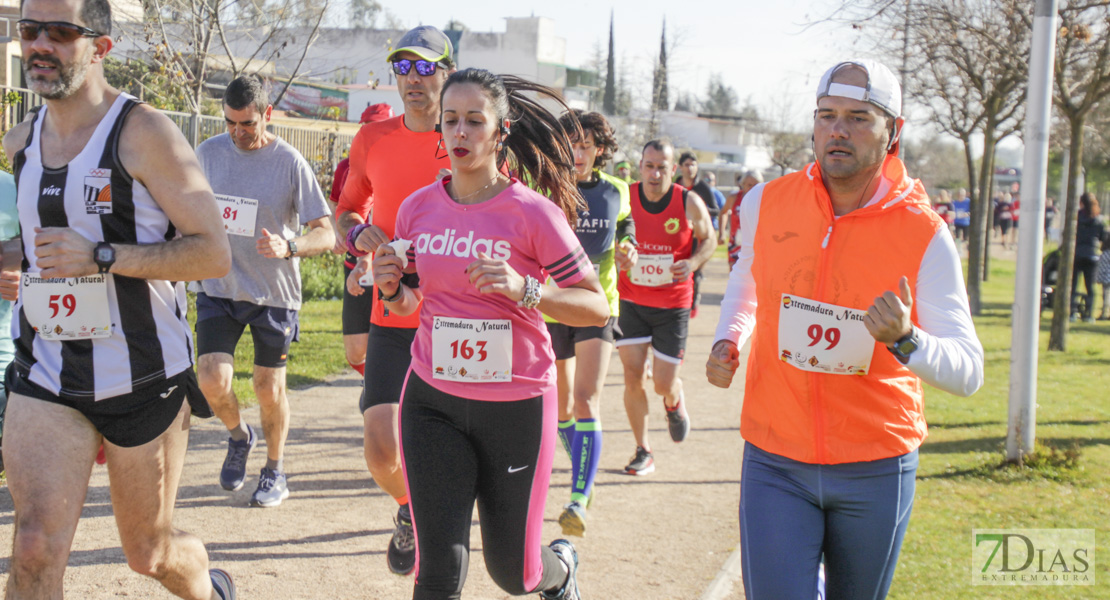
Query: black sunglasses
(423,67)
(58,31)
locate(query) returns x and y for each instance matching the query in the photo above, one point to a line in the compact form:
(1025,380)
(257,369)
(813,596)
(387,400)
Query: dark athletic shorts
(388,354)
(128,420)
(665,328)
(564,337)
(356,309)
(220,324)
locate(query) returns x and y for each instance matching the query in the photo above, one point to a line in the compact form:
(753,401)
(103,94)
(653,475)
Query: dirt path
(660,537)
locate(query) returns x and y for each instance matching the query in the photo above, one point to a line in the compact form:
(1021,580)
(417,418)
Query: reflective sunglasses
(423,67)
(58,31)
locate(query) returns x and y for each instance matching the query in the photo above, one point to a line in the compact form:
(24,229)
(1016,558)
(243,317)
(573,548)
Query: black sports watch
(292,249)
(905,346)
(104,255)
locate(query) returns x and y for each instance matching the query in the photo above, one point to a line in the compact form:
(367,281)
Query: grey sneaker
(642,463)
(565,550)
(222,583)
(678,421)
(573,519)
(401,554)
(234,471)
(271,489)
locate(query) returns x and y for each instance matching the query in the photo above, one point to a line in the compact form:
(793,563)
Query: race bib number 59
(825,338)
(472,350)
(67,308)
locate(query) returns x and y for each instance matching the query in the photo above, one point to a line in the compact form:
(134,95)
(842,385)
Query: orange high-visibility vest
(802,250)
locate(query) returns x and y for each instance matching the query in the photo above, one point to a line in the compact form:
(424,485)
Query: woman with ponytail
(478,413)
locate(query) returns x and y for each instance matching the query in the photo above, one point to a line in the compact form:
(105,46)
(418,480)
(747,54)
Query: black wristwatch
(906,346)
(104,255)
(292,249)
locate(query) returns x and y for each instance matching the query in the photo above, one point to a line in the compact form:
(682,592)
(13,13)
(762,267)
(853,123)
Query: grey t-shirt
(272,188)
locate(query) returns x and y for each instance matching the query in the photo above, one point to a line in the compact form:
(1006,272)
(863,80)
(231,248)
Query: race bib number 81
(472,350)
(238,214)
(824,338)
(67,308)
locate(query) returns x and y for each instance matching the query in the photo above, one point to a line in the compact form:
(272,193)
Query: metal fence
(322,148)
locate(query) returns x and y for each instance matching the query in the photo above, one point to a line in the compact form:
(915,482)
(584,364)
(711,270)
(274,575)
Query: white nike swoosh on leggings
(512,470)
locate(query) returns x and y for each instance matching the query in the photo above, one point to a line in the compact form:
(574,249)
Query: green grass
(318,354)
(960,485)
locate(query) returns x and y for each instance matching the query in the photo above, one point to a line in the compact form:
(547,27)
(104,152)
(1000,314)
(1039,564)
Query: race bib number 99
(238,214)
(652,270)
(67,308)
(824,338)
(472,350)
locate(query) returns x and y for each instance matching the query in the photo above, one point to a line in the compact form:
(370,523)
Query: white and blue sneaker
(271,489)
(565,550)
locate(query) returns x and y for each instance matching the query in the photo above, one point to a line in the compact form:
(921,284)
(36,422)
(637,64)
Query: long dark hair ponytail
(537,145)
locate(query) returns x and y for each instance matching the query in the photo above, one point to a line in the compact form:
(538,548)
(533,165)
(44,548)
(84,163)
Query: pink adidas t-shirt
(519,226)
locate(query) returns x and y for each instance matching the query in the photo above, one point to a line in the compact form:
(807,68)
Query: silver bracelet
(533,291)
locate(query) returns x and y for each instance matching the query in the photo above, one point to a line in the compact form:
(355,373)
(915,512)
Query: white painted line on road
(726,578)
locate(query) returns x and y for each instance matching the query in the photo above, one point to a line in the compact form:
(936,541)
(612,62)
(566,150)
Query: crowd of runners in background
(493,263)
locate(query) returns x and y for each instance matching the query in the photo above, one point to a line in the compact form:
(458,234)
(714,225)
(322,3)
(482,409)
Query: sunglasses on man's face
(423,67)
(58,31)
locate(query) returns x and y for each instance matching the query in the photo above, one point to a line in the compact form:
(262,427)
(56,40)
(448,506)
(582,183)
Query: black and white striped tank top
(97,197)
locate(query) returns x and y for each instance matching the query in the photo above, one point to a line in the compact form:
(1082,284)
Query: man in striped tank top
(115,214)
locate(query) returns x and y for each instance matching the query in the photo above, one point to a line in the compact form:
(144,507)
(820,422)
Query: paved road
(661,537)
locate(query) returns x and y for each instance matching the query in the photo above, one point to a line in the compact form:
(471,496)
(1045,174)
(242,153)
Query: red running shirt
(661,228)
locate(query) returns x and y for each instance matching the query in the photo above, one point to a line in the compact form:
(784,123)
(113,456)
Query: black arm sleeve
(626,228)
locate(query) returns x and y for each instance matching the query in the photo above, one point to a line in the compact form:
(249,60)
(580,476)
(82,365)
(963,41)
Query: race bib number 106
(652,270)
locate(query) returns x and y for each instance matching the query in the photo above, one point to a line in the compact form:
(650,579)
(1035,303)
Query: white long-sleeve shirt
(950,356)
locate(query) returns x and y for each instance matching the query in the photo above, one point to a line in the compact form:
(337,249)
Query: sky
(761,49)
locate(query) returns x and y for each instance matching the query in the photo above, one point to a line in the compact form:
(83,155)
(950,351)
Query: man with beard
(852,292)
(115,214)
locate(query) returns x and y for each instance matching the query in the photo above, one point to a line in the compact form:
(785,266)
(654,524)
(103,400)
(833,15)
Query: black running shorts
(128,420)
(564,337)
(388,354)
(664,328)
(356,309)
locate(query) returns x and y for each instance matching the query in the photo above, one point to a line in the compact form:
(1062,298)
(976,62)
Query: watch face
(907,346)
(105,254)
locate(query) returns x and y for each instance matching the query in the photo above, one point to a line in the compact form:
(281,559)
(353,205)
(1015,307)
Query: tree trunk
(979,229)
(988,198)
(1061,305)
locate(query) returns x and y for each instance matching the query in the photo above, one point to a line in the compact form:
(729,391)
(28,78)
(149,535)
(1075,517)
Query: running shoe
(100,457)
(271,489)
(565,550)
(401,554)
(678,420)
(642,463)
(573,519)
(234,471)
(222,583)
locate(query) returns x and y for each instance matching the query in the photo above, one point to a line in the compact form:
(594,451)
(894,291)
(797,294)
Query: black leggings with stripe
(457,451)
